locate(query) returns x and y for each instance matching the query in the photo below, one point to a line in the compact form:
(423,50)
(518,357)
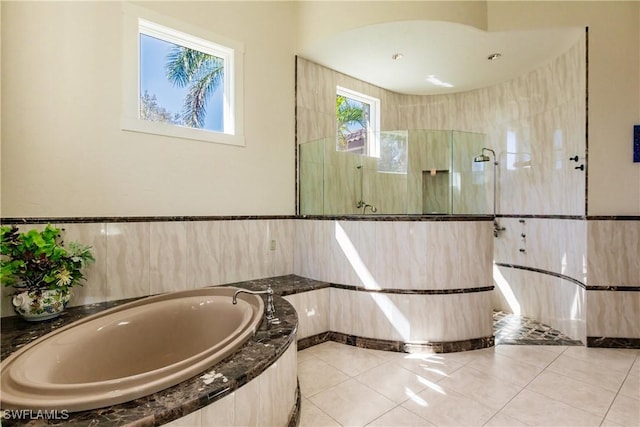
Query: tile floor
(507,385)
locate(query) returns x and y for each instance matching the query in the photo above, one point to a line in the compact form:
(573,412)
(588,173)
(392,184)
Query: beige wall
(614,83)
(64,153)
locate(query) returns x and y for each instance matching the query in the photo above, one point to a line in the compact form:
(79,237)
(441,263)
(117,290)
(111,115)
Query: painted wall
(64,153)
(614,83)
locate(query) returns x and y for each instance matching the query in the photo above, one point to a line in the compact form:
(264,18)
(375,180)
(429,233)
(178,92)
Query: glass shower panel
(471,183)
(312,177)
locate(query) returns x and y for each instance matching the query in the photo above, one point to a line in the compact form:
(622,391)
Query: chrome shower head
(481,158)
(485,158)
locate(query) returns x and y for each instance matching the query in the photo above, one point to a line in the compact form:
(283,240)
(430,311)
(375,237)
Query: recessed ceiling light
(494,56)
(397,56)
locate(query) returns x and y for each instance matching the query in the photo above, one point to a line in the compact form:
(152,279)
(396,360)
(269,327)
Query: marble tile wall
(264,401)
(613,248)
(548,299)
(314,311)
(411,318)
(395,254)
(555,245)
(613,253)
(136,259)
(418,255)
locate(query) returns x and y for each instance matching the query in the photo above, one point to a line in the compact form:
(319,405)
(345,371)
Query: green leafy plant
(37,260)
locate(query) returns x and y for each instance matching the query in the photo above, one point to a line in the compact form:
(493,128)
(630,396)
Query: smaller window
(358,122)
(184,79)
(179,80)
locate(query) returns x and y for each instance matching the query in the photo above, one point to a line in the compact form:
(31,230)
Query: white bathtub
(129,351)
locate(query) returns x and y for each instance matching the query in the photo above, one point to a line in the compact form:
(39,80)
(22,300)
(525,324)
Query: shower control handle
(575,159)
(581,167)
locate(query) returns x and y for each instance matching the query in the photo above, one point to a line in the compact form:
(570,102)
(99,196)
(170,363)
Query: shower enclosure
(415,172)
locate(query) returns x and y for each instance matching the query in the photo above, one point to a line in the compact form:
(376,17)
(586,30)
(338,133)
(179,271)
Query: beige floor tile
(631,386)
(305,354)
(486,389)
(613,358)
(506,368)
(575,393)
(316,375)
(535,409)
(502,420)
(595,372)
(433,367)
(537,355)
(350,360)
(399,417)
(444,406)
(625,411)
(393,381)
(352,403)
(312,416)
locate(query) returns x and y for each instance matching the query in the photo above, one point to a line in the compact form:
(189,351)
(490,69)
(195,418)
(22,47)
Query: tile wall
(136,259)
(401,255)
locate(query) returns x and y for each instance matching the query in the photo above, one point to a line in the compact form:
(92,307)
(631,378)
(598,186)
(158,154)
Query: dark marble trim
(267,345)
(542,216)
(413,291)
(541,271)
(116,219)
(296,411)
(390,218)
(292,284)
(613,218)
(612,342)
(614,288)
(397,346)
(398,218)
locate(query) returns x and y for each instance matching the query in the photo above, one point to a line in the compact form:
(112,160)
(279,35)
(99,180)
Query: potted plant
(41,270)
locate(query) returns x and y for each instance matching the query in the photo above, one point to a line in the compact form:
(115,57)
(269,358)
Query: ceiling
(452,53)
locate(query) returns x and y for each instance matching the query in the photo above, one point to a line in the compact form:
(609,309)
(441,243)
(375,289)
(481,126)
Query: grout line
(620,388)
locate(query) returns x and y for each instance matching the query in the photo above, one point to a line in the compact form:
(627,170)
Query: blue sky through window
(153,54)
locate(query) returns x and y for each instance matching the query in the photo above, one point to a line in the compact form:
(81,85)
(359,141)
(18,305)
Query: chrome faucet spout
(270,309)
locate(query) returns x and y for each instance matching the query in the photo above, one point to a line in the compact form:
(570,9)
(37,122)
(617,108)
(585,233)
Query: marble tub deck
(252,359)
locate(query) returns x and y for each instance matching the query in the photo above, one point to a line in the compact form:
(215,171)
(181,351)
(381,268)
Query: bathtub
(129,351)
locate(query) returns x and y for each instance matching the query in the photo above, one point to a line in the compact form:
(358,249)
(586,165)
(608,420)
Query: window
(180,81)
(358,122)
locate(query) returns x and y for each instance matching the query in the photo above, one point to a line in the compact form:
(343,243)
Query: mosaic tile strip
(521,330)
(611,342)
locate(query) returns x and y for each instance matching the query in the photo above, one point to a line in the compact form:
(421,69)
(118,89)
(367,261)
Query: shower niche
(411,172)
(436,192)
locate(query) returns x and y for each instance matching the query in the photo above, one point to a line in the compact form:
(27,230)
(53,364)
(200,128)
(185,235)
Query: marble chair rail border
(614,288)
(247,363)
(407,217)
(397,346)
(292,284)
(118,219)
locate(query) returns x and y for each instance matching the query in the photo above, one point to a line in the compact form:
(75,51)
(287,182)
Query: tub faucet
(270,309)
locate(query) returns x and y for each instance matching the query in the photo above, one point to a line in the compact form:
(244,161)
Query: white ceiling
(453,53)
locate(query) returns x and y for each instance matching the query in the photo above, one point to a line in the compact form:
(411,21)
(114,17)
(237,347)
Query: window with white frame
(357,122)
(180,81)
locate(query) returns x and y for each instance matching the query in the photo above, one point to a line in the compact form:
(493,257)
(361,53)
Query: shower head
(484,158)
(481,158)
